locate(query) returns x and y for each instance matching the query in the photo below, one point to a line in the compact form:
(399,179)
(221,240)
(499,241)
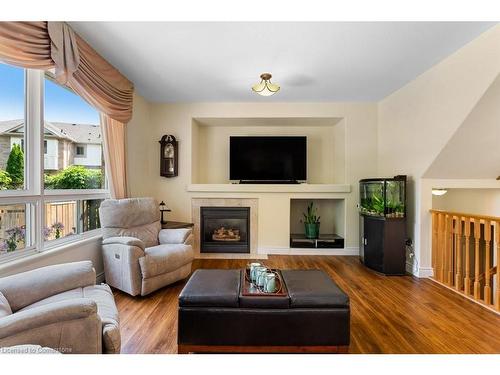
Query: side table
(176,225)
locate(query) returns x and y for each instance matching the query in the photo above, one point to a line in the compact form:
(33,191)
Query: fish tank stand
(382,224)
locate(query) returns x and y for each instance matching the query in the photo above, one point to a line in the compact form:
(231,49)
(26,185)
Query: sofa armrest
(128,241)
(44,315)
(121,257)
(174,236)
(26,288)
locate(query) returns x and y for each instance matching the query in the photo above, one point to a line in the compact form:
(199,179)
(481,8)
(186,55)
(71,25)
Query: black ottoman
(215,317)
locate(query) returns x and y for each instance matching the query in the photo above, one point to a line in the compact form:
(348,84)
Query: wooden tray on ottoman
(249,290)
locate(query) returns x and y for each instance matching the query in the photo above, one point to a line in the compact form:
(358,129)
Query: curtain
(113,133)
(26,44)
(54,45)
(63,50)
(102,85)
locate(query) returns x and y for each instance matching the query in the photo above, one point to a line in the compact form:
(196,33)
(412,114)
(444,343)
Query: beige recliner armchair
(139,256)
(59,307)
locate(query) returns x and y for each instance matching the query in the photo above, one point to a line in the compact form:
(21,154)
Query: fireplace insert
(225,230)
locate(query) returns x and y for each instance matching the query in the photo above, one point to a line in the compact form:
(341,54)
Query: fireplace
(225,229)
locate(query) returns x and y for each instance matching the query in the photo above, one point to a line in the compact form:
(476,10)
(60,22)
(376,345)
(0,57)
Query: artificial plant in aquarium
(372,197)
(394,199)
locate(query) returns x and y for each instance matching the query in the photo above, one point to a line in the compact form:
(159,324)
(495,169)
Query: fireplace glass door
(225,230)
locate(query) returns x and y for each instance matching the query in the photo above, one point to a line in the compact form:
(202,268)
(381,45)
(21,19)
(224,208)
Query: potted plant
(311,222)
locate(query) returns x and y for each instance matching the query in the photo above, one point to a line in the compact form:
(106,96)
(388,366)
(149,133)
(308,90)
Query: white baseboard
(410,269)
(349,251)
(425,272)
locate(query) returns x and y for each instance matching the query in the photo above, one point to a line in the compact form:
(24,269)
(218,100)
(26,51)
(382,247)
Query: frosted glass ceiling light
(439,192)
(265,87)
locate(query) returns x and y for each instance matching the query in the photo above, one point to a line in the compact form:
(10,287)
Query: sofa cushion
(108,312)
(179,235)
(128,213)
(165,258)
(133,217)
(106,309)
(313,289)
(211,288)
(147,233)
(4,306)
(26,288)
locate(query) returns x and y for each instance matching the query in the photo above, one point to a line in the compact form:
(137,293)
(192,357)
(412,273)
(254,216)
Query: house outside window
(54,199)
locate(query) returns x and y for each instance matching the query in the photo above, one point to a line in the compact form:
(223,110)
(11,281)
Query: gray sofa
(140,257)
(59,307)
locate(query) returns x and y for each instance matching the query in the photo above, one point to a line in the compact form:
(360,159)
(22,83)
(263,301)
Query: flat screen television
(268,159)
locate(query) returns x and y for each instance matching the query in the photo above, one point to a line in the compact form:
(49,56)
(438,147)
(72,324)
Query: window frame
(83,147)
(34,194)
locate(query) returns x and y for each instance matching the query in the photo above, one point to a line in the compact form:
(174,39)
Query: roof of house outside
(77,133)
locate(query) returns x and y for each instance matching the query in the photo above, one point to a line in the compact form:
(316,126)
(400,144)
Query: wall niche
(325,145)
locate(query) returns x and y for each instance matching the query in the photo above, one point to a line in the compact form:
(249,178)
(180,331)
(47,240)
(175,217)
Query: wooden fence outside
(70,214)
(64,213)
(466,253)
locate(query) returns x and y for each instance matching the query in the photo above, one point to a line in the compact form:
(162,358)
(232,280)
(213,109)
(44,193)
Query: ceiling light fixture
(439,192)
(265,87)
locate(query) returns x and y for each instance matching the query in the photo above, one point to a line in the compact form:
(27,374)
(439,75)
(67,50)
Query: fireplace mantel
(269,188)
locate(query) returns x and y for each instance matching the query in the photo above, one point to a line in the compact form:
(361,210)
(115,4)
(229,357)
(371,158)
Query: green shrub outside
(15,167)
(5,180)
(75,177)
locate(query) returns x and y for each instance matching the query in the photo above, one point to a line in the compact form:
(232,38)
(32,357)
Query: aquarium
(384,197)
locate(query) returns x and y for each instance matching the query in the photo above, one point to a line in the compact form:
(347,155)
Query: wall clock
(169,155)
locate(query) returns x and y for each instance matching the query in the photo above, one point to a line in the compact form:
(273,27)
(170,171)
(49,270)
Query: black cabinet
(382,244)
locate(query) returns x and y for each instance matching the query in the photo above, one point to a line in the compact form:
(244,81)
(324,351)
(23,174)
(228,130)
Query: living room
(249,186)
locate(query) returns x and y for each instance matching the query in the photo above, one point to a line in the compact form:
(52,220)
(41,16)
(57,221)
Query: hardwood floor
(397,314)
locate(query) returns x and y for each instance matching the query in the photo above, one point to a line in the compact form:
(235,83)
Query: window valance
(54,45)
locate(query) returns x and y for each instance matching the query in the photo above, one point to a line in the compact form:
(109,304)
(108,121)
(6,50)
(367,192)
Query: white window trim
(33,192)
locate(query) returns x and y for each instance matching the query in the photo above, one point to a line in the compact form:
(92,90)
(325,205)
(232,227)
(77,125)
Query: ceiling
(313,62)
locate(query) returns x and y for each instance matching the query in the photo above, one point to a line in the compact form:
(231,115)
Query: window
(80,150)
(12,126)
(53,196)
(67,218)
(74,144)
(12,228)
(15,231)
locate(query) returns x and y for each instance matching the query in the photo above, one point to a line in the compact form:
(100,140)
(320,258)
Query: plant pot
(312,230)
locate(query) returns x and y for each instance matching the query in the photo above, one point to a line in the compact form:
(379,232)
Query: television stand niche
(324,241)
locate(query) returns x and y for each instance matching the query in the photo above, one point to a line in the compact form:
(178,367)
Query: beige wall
(469,201)
(360,121)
